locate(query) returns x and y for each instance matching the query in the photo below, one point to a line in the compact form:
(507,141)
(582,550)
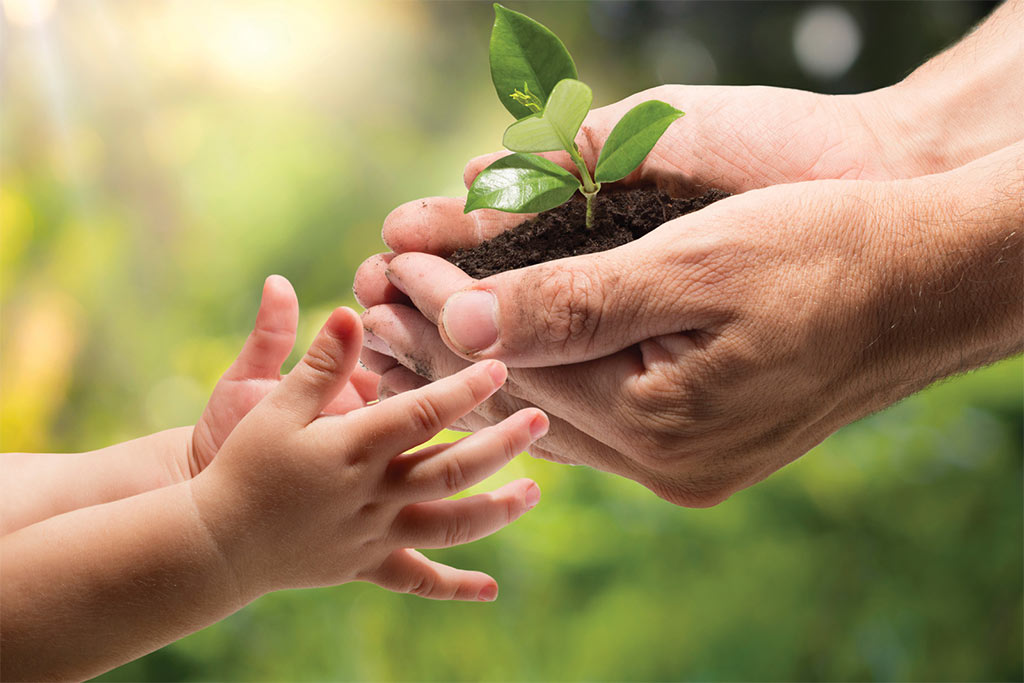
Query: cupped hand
(723,345)
(733,138)
(696,360)
(257,370)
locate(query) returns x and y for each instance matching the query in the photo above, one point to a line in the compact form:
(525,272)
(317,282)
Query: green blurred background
(159,159)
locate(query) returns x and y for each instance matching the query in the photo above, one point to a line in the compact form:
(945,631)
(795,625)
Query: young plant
(536,81)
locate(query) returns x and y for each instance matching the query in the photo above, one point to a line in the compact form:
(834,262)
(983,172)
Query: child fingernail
(532,496)
(488,594)
(538,426)
(497,372)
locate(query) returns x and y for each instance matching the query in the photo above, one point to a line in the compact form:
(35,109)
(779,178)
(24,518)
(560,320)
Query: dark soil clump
(619,218)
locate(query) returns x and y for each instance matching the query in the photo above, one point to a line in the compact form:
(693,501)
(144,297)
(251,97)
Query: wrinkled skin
(726,343)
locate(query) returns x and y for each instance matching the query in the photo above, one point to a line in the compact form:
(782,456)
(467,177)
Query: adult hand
(704,356)
(739,139)
(732,138)
(958,107)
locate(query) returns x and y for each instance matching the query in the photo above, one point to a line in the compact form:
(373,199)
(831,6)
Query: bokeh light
(826,41)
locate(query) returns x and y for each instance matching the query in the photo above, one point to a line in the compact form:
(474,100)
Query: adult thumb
(564,311)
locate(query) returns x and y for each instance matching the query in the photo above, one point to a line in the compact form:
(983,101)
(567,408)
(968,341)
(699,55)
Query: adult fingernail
(375,343)
(394,279)
(532,496)
(487,593)
(470,320)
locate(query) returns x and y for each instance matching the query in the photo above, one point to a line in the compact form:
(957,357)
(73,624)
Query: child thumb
(325,368)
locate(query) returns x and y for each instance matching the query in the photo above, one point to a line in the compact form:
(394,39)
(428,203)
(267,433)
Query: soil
(619,217)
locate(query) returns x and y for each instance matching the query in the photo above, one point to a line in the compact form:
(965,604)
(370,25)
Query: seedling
(535,78)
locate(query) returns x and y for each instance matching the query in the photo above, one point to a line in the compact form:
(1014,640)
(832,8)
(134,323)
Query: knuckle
(458,530)
(422,585)
(571,300)
(511,510)
(426,415)
(508,447)
(454,475)
(321,361)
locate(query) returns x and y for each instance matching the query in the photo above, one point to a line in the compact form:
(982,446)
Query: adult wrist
(924,130)
(951,299)
(959,106)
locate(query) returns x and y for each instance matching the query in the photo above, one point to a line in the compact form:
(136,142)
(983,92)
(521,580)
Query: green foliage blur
(159,159)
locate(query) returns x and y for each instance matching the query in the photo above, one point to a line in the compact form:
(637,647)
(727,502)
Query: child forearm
(37,486)
(85,591)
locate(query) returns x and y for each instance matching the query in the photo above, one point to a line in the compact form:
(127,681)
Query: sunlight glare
(26,13)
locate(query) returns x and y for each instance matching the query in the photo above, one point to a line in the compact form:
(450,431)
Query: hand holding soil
(704,356)
(724,344)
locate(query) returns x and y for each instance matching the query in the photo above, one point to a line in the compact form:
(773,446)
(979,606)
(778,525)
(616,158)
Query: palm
(257,370)
(231,400)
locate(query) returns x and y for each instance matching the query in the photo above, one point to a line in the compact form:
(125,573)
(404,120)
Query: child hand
(257,370)
(298,498)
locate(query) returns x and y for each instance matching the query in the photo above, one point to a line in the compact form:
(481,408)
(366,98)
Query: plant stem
(590,208)
(590,188)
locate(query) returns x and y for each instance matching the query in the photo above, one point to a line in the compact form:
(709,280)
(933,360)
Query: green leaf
(632,139)
(525,57)
(521,183)
(555,127)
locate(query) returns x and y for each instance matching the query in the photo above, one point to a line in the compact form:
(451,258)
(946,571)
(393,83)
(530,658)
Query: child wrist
(222,522)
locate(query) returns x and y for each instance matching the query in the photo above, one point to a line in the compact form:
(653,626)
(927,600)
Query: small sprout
(549,111)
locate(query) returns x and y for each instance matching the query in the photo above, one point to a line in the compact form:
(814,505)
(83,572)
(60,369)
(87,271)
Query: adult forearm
(959,106)
(88,590)
(37,486)
(981,245)
(948,294)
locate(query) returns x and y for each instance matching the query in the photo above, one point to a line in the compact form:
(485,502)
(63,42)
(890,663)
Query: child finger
(325,369)
(399,380)
(407,571)
(273,335)
(347,400)
(365,383)
(446,523)
(427,475)
(406,420)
